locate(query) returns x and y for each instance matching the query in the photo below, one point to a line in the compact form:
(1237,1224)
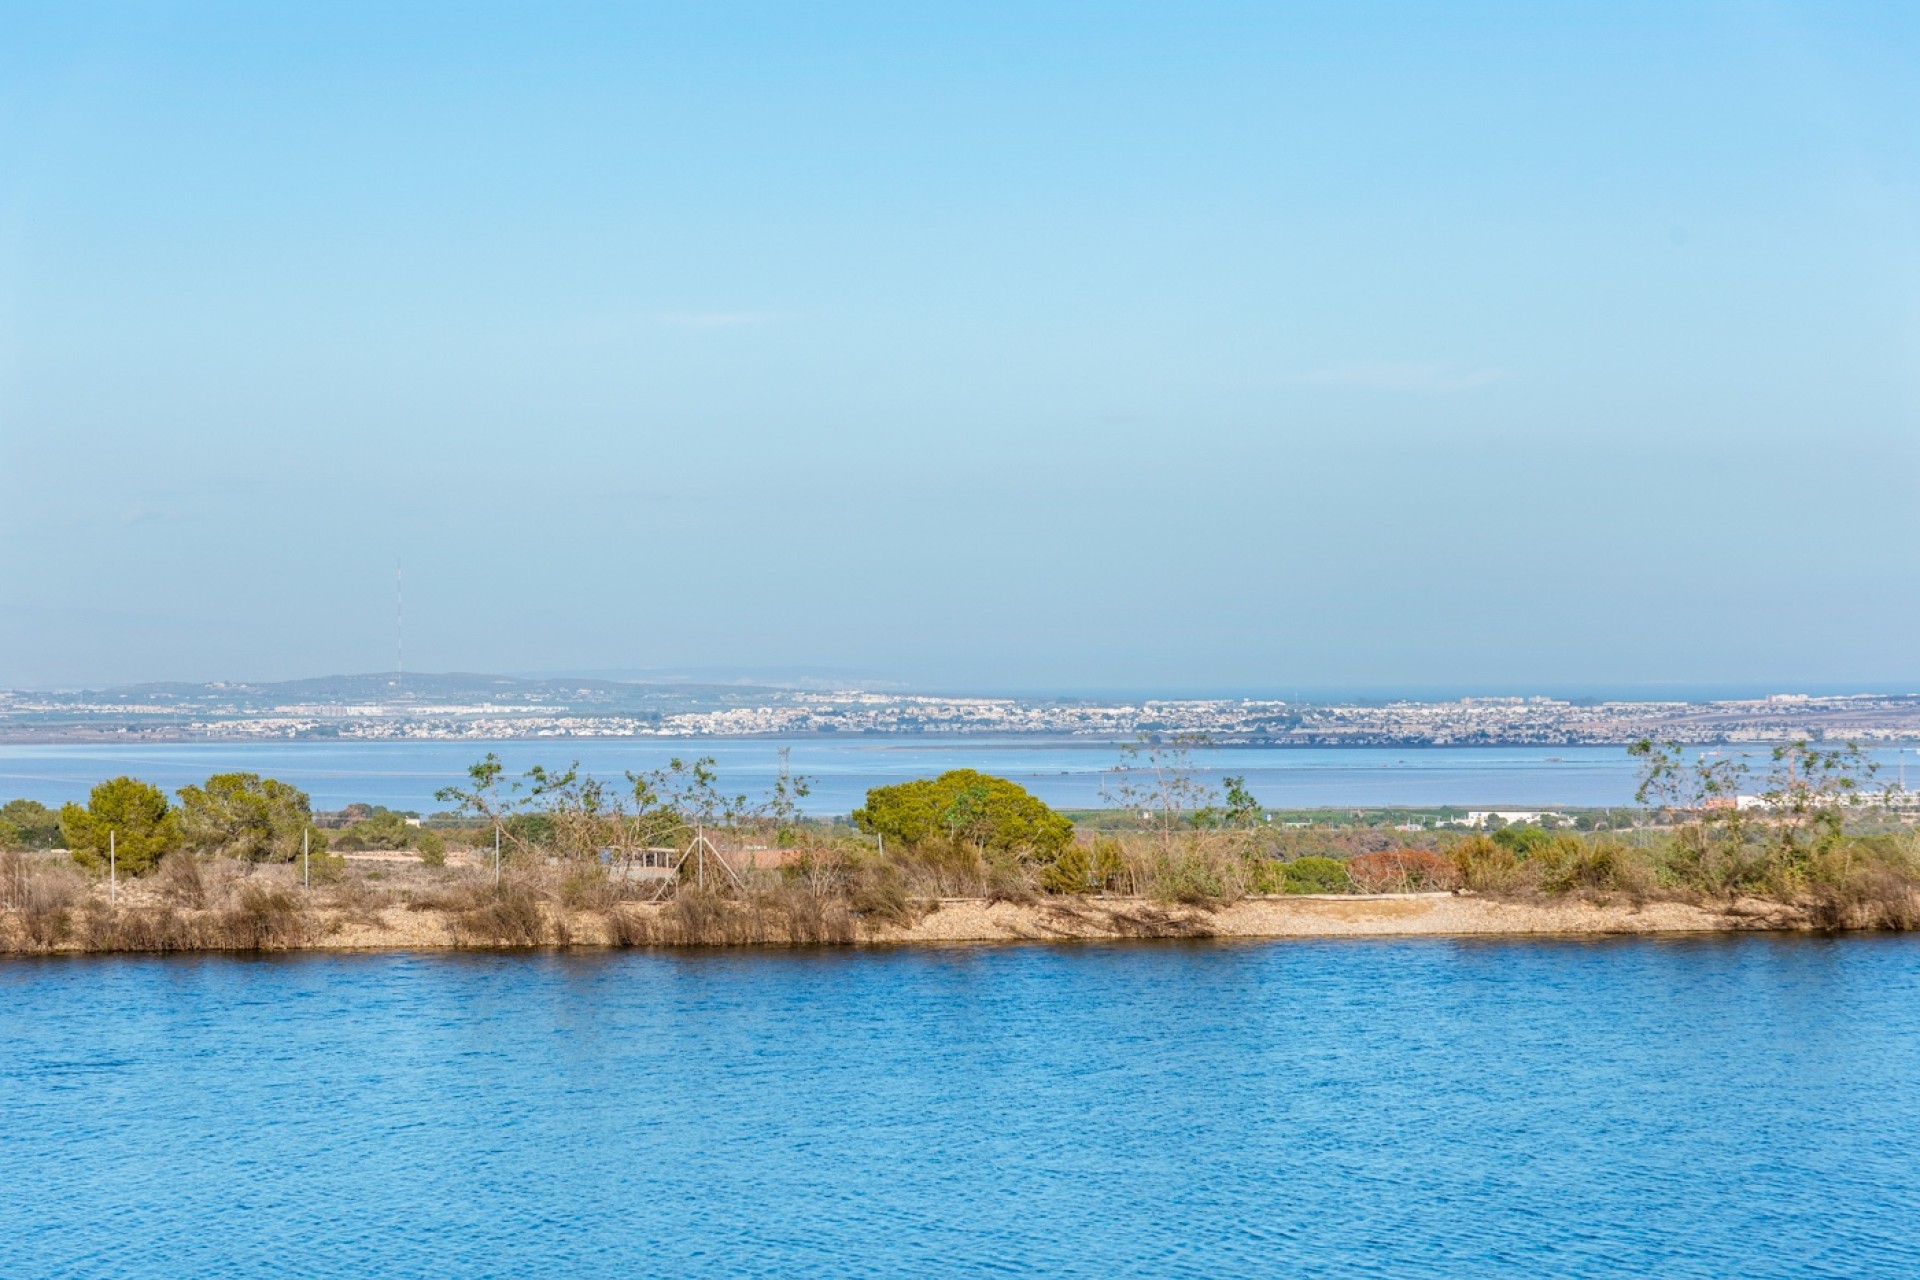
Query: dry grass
(840,894)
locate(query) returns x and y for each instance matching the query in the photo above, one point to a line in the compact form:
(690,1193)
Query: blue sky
(1016,347)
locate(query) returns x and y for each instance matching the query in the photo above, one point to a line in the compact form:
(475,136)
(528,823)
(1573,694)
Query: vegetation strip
(556,857)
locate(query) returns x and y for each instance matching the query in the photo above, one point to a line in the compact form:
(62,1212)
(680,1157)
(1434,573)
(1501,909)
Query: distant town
(452,707)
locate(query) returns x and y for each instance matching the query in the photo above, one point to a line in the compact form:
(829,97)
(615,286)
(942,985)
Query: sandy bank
(973,920)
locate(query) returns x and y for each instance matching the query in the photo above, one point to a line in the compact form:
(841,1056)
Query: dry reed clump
(1195,872)
(42,897)
(156,927)
(359,901)
(808,918)
(880,895)
(1870,883)
(936,868)
(588,887)
(509,914)
(785,913)
(629,928)
(260,919)
(180,880)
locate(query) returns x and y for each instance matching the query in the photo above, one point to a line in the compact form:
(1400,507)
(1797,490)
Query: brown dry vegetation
(841,891)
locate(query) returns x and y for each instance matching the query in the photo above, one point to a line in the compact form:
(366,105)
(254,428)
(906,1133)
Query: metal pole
(700,852)
(496,853)
(306,863)
(113,870)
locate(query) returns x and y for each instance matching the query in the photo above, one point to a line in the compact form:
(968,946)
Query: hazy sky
(1012,346)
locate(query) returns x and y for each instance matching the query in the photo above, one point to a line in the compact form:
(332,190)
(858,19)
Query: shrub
(1071,872)
(262,919)
(44,895)
(386,829)
(1482,864)
(508,914)
(879,896)
(157,928)
(1402,870)
(1198,872)
(1314,874)
(179,879)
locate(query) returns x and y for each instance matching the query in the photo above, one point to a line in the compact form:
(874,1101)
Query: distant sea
(1068,773)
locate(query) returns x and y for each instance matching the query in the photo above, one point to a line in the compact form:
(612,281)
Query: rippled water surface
(1677,1108)
(1074,773)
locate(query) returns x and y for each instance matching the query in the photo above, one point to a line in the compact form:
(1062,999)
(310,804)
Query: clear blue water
(404,775)
(1691,1108)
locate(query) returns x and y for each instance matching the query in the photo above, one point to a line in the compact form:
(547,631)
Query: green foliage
(136,815)
(385,829)
(967,807)
(245,816)
(531,830)
(1317,875)
(28,824)
(1071,872)
(1523,841)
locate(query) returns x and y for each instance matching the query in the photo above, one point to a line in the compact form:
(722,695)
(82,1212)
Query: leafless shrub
(807,918)
(588,887)
(508,914)
(358,900)
(629,928)
(261,919)
(14,872)
(880,897)
(158,927)
(44,894)
(1195,872)
(701,917)
(940,868)
(180,881)
(1872,897)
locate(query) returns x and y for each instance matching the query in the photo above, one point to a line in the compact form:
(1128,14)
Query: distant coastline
(426,708)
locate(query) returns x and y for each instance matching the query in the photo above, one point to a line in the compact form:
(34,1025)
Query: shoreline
(966,920)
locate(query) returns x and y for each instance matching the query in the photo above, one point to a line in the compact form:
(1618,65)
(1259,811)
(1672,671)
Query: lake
(1700,1107)
(1065,772)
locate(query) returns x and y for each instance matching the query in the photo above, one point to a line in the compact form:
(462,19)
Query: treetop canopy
(965,806)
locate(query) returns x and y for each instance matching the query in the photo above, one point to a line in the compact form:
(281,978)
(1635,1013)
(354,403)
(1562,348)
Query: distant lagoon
(1069,773)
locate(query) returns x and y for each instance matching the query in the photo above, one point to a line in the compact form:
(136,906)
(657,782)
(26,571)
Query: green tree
(28,824)
(242,815)
(965,806)
(134,813)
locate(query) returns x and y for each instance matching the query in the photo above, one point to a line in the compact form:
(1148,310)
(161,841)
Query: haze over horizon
(1022,348)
